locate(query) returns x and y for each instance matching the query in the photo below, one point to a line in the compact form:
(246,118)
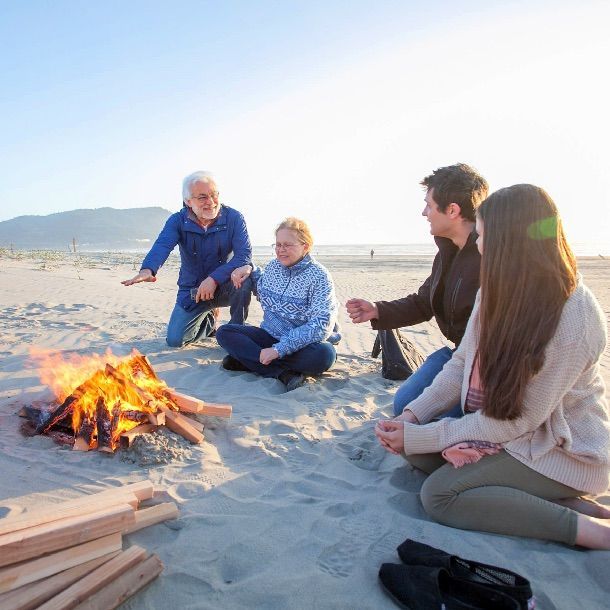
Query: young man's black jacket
(447,295)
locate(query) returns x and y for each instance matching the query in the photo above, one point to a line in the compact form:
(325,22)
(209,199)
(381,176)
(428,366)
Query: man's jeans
(421,379)
(245,343)
(186,327)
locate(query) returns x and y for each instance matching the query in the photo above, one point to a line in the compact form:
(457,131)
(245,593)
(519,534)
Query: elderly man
(207,234)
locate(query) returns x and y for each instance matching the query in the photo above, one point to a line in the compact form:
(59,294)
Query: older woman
(535,437)
(297,296)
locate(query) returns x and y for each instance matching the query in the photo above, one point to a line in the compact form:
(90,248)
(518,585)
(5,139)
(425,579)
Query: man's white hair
(187,183)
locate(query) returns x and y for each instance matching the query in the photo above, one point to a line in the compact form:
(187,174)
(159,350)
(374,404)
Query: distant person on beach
(535,436)
(207,234)
(372,252)
(452,196)
(297,296)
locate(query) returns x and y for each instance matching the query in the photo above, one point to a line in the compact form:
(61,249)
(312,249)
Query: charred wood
(104,426)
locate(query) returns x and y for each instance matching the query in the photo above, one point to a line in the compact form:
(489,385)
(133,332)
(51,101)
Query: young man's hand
(360,310)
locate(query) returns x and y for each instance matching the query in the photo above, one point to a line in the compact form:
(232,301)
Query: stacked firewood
(71,555)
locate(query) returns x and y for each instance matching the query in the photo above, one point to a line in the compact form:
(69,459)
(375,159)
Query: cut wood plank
(94,581)
(130,582)
(194,423)
(24,573)
(142,489)
(158,418)
(216,409)
(128,437)
(55,512)
(49,537)
(190,404)
(180,425)
(186,403)
(153,514)
(30,596)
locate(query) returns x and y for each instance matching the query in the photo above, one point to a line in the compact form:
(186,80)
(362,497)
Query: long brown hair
(528,271)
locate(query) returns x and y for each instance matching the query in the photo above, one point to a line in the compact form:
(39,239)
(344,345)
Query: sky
(332,110)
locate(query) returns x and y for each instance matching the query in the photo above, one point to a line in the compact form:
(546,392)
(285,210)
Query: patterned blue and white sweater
(299,303)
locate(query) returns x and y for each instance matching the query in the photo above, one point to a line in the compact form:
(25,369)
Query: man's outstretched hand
(360,310)
(145,275)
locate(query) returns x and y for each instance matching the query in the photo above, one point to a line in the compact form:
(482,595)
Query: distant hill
(98,229)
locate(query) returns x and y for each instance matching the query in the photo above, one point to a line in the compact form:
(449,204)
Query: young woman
(299,312)
(527,373)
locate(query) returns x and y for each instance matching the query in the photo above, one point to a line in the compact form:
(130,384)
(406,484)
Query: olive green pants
(497,494)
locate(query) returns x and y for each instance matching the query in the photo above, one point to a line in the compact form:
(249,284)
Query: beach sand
(289,504)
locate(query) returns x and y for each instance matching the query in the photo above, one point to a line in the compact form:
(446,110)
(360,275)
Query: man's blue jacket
(203,252)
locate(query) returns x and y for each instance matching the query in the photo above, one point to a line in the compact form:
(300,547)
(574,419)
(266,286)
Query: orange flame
(129,392)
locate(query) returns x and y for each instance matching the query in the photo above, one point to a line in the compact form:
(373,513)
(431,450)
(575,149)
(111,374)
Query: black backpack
(399,357)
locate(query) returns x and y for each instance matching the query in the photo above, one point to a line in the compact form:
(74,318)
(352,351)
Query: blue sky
(332,111)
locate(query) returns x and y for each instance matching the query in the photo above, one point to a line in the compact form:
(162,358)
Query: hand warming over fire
(268,355)
(145,275)
(390,433)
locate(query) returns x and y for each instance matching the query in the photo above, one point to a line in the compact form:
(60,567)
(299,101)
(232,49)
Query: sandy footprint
(338,560)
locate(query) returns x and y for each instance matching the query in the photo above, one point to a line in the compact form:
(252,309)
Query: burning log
(139,362)
(147,399)
(104,426)
(84,437)
(134,415)
(67,406)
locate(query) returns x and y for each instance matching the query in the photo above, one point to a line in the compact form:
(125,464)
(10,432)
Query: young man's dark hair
(459,184)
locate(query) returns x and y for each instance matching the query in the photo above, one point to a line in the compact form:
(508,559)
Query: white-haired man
(207,234)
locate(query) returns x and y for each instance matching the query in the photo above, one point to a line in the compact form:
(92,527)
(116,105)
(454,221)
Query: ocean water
(427,249)
(580,249)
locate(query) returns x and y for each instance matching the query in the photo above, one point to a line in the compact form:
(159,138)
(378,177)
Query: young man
(207,233)
(452,195)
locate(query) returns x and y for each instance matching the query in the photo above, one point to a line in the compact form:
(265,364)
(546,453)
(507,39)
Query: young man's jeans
(185,327)
(421,379)
(245,343)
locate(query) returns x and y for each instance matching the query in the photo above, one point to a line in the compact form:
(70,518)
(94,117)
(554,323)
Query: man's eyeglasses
(285,246)
(204,198)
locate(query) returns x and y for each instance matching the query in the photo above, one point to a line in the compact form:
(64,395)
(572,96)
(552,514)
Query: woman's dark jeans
(245,343)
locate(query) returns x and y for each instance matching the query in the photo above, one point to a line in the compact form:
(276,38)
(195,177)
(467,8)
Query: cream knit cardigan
(564,430)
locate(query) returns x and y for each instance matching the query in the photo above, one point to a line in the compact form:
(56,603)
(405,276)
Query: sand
(291,503)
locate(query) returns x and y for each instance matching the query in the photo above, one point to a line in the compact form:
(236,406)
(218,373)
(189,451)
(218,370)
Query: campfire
(106,401)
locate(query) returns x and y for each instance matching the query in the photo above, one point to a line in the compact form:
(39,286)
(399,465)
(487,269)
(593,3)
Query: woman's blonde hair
(299,227)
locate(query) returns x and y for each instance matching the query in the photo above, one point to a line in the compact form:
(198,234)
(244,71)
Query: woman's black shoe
(424,588)
(232,364)
(418,554)
(291,379)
